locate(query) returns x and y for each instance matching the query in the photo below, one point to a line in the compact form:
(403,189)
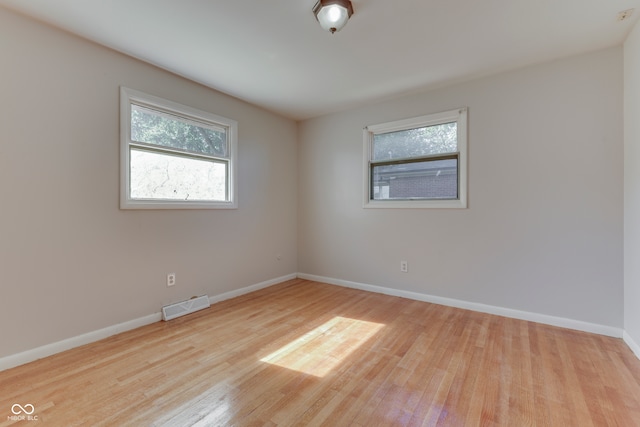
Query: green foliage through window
(175,156)
(417,162)
(152,127)
(417,142)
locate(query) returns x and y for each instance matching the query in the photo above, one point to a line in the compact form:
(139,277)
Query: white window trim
(458,115)
(129,96)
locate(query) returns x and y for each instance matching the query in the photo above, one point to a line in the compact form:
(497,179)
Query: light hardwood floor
(307,353)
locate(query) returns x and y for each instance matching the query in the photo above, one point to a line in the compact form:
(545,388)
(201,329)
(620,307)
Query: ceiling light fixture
(333,14)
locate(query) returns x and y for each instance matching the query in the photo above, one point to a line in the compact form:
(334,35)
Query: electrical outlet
(171,279)
(404,266)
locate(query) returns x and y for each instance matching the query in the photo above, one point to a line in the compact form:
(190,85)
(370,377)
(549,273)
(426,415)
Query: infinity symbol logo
(27,409)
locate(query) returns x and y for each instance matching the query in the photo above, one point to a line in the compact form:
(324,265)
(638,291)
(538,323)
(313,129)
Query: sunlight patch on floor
(322,349)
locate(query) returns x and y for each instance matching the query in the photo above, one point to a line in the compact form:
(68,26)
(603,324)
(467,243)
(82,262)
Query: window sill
(415,204)
(177,204)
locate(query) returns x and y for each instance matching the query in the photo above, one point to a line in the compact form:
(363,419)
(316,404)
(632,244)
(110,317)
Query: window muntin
(418,162)
(175,157)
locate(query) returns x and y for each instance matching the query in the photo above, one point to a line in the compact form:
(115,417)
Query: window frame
(164,107)
(459,116)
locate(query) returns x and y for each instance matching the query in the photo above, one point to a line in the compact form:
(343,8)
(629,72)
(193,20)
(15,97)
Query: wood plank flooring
(307,353)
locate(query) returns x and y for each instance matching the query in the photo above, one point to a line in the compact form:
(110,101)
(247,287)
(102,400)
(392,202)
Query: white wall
(632,189)
(543,231)
(72,262)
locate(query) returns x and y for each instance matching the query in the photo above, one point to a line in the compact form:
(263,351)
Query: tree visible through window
(421,141)
(175,156)
(418,162)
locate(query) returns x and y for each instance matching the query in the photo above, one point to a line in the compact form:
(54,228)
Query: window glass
(437,179)
(417,163)
(416,142)
(153,127)
(174,156)
(164,176)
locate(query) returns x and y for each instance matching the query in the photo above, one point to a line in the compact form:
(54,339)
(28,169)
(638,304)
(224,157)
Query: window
(417,163)
(173,156)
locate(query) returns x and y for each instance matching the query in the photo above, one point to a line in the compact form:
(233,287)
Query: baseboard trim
(238,292)
(27,356)
(634,346)
(18,359)
(483,308)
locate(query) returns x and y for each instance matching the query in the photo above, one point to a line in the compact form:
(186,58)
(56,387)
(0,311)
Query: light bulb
(334,13)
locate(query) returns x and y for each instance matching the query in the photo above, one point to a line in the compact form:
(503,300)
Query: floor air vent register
(182,308)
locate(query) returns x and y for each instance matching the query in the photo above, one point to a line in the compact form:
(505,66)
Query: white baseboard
(634,346)
(18,359)
(483,308)
(14,360)
(236,293)
(69,343)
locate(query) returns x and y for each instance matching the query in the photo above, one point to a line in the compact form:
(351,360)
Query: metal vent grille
(178,309)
